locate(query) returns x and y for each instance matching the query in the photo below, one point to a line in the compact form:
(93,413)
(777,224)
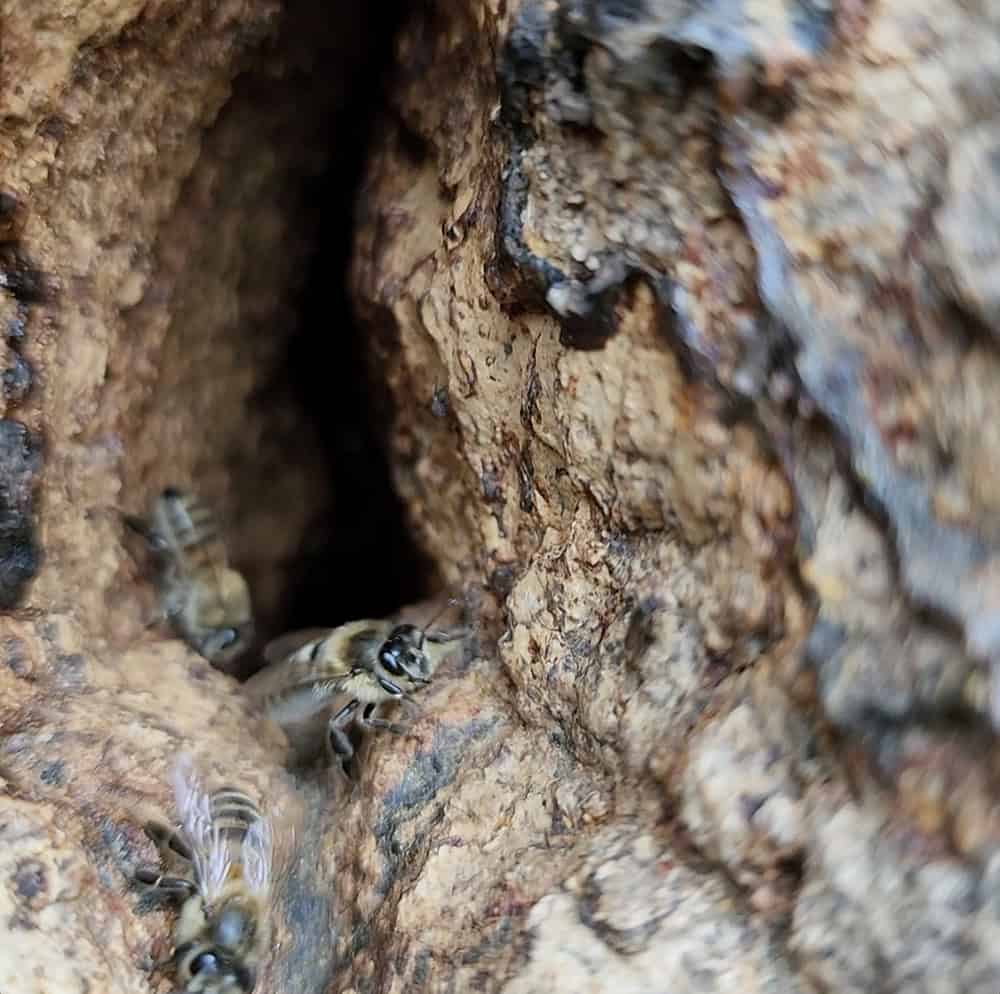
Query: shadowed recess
(359,560)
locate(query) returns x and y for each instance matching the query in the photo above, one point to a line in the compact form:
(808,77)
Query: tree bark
(684,318)
(155,237)
(686,313)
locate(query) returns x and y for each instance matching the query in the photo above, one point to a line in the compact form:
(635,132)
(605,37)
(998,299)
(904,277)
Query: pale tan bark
(686,318)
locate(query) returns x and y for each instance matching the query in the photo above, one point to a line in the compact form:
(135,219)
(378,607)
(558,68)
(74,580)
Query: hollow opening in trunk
(358,559)
(254,388)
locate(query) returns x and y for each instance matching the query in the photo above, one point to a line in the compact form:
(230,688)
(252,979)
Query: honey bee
(226,847)
(367,663)
(206,601)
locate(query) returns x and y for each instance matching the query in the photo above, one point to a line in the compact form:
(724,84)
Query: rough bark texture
(689,323)
(687,315)
(152,155)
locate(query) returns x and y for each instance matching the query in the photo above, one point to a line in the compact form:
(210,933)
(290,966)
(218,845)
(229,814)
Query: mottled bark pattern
(687,315)
(151,240)
(706,287)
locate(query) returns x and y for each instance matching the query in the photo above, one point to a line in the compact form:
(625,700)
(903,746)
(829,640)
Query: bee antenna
(139,526)
(451,602)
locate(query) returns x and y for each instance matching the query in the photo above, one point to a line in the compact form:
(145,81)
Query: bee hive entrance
(358,560)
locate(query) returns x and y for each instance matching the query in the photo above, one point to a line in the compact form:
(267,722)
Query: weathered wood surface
(686,315)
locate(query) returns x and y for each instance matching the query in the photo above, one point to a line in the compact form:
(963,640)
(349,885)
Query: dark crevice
(359,560)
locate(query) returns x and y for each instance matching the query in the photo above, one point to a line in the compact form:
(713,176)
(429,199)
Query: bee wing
(268,849)
(284,645)
(298,689)
(209,852)
(257,853)
(289,859)
(285,704)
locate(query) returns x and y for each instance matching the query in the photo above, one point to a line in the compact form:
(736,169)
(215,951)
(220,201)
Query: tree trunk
(154,161)
(679,322)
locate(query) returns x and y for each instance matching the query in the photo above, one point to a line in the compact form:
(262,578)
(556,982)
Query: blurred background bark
(662,334)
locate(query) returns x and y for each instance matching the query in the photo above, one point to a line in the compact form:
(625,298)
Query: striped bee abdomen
(233,813)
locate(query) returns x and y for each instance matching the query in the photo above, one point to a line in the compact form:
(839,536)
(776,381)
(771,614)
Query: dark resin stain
(20,465)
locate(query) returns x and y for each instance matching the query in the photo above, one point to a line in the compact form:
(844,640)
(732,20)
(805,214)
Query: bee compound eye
(221,640)
(205,963)
(389,659)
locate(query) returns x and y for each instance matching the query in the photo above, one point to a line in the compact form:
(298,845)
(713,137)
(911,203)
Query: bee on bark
(362,665)
(201,595)
(223,851)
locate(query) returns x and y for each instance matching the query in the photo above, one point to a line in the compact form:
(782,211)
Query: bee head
(402,653)
(234,928)
(228,621)
(221,645)
(209,969)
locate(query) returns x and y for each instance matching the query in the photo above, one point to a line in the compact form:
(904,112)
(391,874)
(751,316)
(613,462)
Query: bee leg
(368,720)
(167,841)
(396,693)
(338,742)
(138,526)
(153,539)
(173,601)
(392,689)
(177,887)
(416,708)
(442,638)
(156,619)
